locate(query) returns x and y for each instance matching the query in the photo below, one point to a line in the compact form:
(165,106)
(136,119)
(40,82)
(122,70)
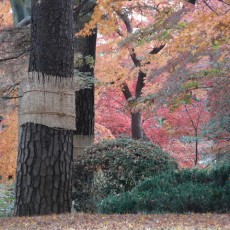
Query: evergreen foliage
(176,191)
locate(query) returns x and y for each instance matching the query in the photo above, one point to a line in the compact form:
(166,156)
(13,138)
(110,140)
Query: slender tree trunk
(44,167)
(196,148)
(136,125)
(84,134)
(84,56)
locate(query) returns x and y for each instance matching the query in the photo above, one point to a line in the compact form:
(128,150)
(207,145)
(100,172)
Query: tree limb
(140,83)
(125,90)
(141,75)
(124,17)
(26,21)
(134,58)
(210,7)
(12,57)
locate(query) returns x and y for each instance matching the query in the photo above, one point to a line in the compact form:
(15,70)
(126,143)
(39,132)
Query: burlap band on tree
(48,100)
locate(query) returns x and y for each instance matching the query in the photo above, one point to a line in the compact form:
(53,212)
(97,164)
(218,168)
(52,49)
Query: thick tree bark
(52,38)
(44,170)
(44,167)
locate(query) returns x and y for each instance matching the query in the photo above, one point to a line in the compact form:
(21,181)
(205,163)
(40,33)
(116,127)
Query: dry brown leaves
(97,221)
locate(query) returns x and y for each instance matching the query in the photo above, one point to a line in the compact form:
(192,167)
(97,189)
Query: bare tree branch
(124,17)
(125,90)
(210,7)
(12,57)
(26,21)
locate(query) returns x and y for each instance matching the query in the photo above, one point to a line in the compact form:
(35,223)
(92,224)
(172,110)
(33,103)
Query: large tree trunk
(84,56)
(136,125)
(44,168)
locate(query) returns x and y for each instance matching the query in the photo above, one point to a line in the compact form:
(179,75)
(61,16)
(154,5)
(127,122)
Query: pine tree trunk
(136,125)
(44,168)
(196,147)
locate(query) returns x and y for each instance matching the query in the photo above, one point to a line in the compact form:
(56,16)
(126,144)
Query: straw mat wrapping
(48,100)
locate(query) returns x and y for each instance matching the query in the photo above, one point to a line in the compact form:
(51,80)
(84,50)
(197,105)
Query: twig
(210,8)
(12,57)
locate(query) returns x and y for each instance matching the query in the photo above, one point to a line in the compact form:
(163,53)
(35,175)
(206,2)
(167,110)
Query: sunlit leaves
(5,14)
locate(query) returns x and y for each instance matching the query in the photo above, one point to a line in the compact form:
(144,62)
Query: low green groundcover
(182,191)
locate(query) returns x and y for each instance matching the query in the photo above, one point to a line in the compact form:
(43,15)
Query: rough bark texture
(51,38)
(85,112)
(44,170)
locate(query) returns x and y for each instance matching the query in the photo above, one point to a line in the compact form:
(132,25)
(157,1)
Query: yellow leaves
(113,74)
(206,29)
(114,67)
(223,56)
(104,18)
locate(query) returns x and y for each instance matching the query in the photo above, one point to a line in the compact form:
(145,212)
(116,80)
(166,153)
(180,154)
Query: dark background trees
(84,62)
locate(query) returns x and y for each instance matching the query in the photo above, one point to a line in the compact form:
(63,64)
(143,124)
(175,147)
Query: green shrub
(6,199)
(113,167)
(176,191)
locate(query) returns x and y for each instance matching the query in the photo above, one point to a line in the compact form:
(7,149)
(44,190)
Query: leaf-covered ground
(87,221)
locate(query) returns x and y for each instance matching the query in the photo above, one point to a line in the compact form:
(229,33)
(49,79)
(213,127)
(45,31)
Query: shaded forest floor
(97,221)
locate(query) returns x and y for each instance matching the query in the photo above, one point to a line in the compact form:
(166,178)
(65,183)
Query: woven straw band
(48,100)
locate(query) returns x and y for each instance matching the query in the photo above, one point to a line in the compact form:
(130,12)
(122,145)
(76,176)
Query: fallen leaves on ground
(96,221)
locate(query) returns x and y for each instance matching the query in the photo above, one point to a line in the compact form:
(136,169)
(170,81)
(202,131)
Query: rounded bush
(113,167)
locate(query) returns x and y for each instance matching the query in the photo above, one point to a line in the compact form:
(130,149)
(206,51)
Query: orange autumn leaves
(8,146)
(5,14)
(9,135)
